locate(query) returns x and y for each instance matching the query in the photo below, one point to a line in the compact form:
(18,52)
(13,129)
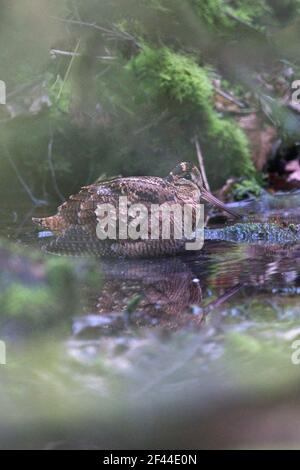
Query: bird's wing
(146,191)
(79,210)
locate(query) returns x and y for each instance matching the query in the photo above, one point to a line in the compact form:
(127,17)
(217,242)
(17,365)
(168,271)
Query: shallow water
(209,325)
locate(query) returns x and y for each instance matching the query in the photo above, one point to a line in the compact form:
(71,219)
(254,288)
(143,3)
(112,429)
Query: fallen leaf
(293,168)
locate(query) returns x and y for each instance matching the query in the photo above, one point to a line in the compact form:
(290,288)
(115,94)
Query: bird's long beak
(207,196)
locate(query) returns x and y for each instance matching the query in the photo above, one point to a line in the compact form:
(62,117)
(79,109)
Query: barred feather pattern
(75,223)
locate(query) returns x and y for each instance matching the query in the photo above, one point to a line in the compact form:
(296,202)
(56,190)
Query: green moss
(212,12)
(184,81)
(178,82)
(262,13)
(133,304)
(52,291)
(174,75)
(247,188)
(138,118)
(230,147)
(60,93)
(221,13)
(249,10)
(60,274)
(19,300)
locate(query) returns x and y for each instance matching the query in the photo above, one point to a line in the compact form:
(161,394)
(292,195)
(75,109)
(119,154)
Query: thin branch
(20,228)
(81,23)
(34,200)
(115,32)
(201,165)
(68,69)
(24,87)
(245,23)
(52,170)
(76,11)
(223,298)
(125,35)
(55,52)
(230,98)
(103,72)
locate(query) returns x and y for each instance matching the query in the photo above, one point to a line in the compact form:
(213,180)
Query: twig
(81,23)
(52,170)
(34,200)
(68,70)
(266,103)
(223,298)
(201,165)
(115,32)
(55,52)
(230,98)
(125,35)
(27,217)
(245,23)
(76,11)
(103,72)
(21,89)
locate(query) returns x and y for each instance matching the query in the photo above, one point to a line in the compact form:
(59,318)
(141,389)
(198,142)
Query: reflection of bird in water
(266,267)
(165,290)
(167,293)
(76,222)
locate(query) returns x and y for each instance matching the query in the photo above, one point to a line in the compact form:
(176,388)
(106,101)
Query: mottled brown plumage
(75,223)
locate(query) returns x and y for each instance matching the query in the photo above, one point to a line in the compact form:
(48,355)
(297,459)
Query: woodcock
(75,223)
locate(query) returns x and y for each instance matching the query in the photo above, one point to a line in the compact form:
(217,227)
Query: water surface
(206,325)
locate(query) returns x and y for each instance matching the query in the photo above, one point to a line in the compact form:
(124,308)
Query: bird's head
(186,174)
(188,177)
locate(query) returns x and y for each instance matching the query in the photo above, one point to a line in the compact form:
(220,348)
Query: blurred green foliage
(138,92)
(40,291)
(246,189)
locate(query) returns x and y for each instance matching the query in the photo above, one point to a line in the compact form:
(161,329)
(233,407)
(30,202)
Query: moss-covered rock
(179,83)
(212,12)
(137,110)
(245,189)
